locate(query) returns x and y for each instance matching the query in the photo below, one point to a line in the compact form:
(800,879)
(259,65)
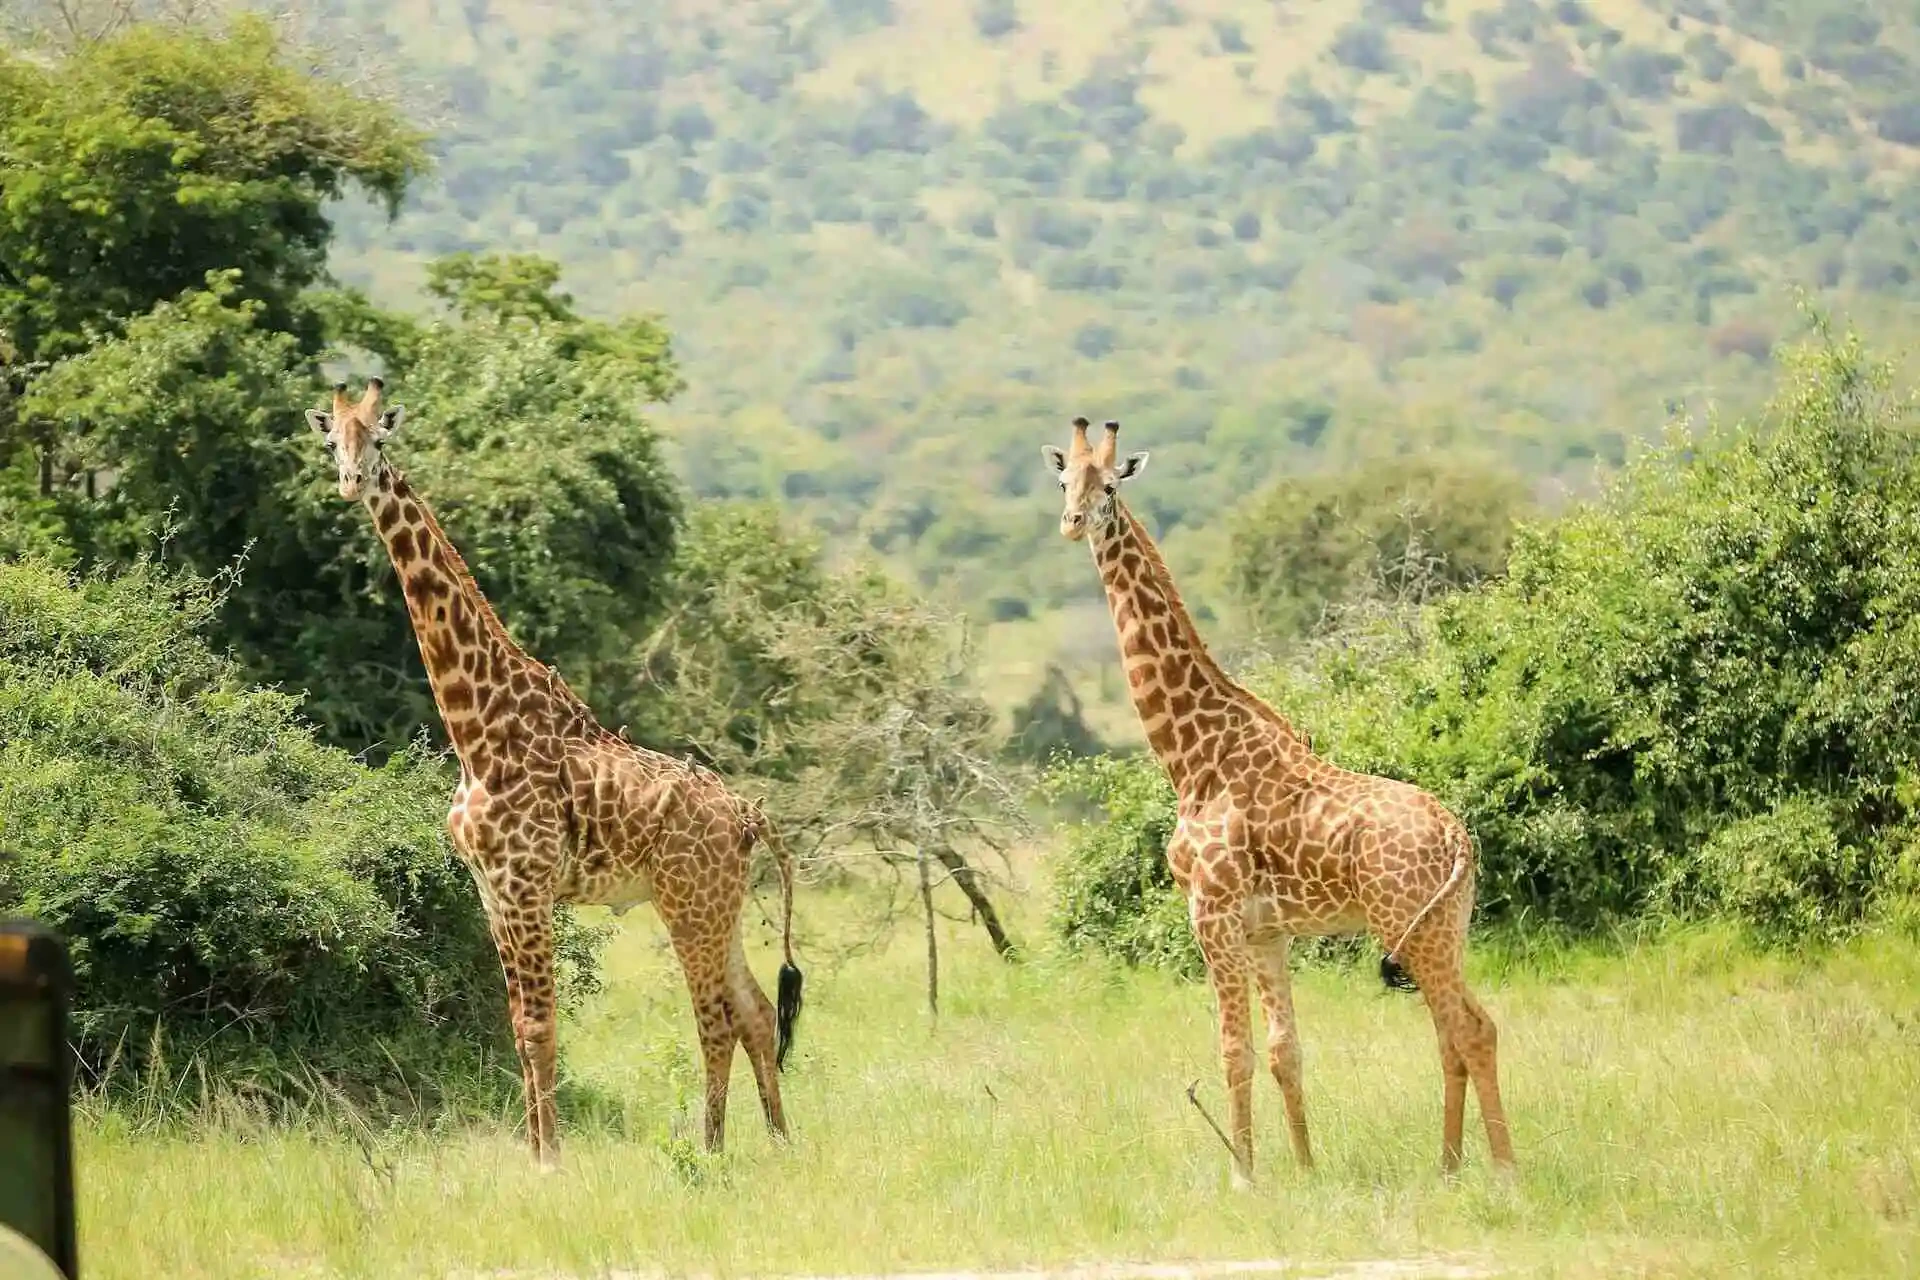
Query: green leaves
(184,408)
(231,888)
(1307,543)
(134,166)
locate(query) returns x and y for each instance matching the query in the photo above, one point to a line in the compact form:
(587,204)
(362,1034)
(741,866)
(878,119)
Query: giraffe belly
(622,893)
(1303,913)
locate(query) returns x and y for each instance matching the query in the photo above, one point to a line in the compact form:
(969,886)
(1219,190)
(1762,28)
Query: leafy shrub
(1095,341)
(1785,874)
(1230,37)
(1900,122)
(1405,13)
(995,18)
(232,892)
(1305,543)
(1718,129)
(1642,72)
(1081,273)
(1717,634)
(1113,892)
(914,301)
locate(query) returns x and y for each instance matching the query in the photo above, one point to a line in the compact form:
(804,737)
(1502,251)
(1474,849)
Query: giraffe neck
(474,667)
(1175,683)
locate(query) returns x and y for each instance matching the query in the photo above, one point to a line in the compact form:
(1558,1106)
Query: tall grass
(1680,1108)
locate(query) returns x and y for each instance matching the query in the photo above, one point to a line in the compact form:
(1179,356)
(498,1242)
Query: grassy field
(1682,1108)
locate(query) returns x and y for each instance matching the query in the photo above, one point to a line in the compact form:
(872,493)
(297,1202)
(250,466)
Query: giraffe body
(554,808)
(1273,842)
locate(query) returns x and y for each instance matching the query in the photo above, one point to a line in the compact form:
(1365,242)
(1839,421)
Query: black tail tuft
(786,1012)
(1395,975)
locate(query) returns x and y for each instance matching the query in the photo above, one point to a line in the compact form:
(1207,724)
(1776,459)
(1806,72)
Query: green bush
(1785,874)
(1113,891)
(1698,696)
(1734,625)
(234,894)
(1307,543)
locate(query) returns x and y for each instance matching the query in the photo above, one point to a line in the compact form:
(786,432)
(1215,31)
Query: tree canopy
(131,167)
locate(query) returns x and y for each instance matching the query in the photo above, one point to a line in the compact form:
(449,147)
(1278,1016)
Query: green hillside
(900,242)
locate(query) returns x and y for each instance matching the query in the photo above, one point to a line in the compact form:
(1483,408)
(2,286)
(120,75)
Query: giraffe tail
(1394,974)
(786,1007)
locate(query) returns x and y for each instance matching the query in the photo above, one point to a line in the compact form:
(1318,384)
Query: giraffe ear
(320,420)
(390,422)
(1133,466)
(1056,456)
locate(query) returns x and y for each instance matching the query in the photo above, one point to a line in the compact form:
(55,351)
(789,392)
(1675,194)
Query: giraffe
(553,808)
(1271,841)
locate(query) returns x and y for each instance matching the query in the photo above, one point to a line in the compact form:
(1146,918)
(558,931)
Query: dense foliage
(237,897)
(1307,543)
(129,171)
(157,394)
(1698,696)
(1322,230)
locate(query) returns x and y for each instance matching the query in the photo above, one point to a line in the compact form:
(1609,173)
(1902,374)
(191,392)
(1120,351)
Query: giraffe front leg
(1222,944)
(523,934)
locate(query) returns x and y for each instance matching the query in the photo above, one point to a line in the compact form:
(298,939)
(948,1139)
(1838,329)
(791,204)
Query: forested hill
(901,242)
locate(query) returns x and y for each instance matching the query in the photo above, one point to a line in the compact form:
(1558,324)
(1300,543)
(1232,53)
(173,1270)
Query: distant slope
(900,244)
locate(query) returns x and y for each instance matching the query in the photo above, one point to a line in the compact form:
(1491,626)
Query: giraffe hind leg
(753,1023)
(1275,984)
(713,1016)
(1469,1047)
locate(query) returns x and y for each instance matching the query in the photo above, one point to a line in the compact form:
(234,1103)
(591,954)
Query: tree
(1053,722)
(133,166)
(903,774)
(526,433)
(1309,542)
(846,699)
(717,681)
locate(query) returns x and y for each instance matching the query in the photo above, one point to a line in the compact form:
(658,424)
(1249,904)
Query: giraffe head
(1090,478)
(354,434)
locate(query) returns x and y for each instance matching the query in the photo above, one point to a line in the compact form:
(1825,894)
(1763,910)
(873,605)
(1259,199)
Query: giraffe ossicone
(552,807)
(1272,841)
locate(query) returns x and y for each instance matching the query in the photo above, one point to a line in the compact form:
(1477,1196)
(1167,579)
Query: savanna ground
(1682,1106)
